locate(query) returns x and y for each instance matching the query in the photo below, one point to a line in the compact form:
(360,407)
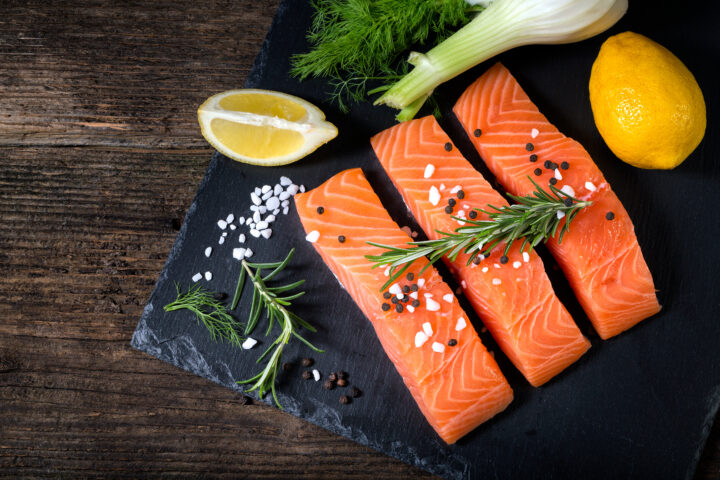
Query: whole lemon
(647,105)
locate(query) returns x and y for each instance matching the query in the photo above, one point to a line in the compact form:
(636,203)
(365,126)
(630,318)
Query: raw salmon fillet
(456,387)
(515,300)
(600,254)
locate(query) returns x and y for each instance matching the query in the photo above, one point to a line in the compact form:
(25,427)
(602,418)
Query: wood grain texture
(100,156)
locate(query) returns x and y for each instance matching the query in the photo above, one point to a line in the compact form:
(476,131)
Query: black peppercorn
(406,289)
(355,392)
(610,215)
(342,382)
(547,164)
(287,366)
(307,375)
(387,295)
(448,209)
(341,238)
(564,165)
(533,158)
(568,202)
(414,287)
(395,300)
(345,400)
(461,194)
(448,146)
(477,132)
(385,307)
(410,276)
(220,296)
(451,202)
(415,303)
(529,147)
(553,181)
(452,342)
(320,210)
(332,377)
(398,308)
(538,172)
(472,214)
(476,260)
(342,374)
(307,362)
(328,385)
(504,259)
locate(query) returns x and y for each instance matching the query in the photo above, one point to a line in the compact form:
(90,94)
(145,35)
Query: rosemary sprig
(534,218)
(275,302)
(209,311)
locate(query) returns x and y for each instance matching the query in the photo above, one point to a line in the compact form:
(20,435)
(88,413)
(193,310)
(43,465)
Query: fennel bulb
(502,25)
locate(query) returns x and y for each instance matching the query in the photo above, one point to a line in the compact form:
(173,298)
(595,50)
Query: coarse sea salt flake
(286,210)
(238,253)
(292,189)
(222,224)
(517,264)
(224,234)
(395,289)
(442,186)
(434,195)
(255,199)
(221,240)
(448,297)
(275,212)
(432,305)
(267,195)
(414,295)
(526,257)
(438,347)
(248,253)
(249,343)
(316,374)
(277,189)
(270,218)
(464,284)
(568,190)
(208,251)
(256,217)
(266,188)
(421,282)
(420,339)
(266,233)
(496,281)
(261,225)
(427,328)
(428,295)
(558,175)
(272,203)
(230,218)
(197,277)
(302,188)
(313,236)
(241,238)
(429,170)
(387,271)
(484,269)
(456,189)
(410,308)
(285,181)
(560,214)
(460,324)
(232,226)
(534,132)
(208,276)
(284,196)
(590,186)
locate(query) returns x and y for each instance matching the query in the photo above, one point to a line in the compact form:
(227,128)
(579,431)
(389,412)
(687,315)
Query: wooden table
(100,155)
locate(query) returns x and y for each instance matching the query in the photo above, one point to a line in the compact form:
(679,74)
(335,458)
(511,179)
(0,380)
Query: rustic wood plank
(100,156)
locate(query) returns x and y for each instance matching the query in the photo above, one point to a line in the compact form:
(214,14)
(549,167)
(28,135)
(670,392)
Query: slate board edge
(145,341)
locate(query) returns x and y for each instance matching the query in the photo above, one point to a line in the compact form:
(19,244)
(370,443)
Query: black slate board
(638,406)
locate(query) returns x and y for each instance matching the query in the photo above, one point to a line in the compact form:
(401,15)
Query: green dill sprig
(276,303)
(534,218)
(209,311)
(357,42)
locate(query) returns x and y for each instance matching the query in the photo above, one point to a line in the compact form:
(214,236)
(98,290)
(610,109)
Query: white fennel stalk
(503,25)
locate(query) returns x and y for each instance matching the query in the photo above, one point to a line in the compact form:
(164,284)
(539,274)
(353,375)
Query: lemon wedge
(263,127)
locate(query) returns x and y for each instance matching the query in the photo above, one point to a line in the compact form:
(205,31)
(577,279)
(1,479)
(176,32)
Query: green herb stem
(534,218)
